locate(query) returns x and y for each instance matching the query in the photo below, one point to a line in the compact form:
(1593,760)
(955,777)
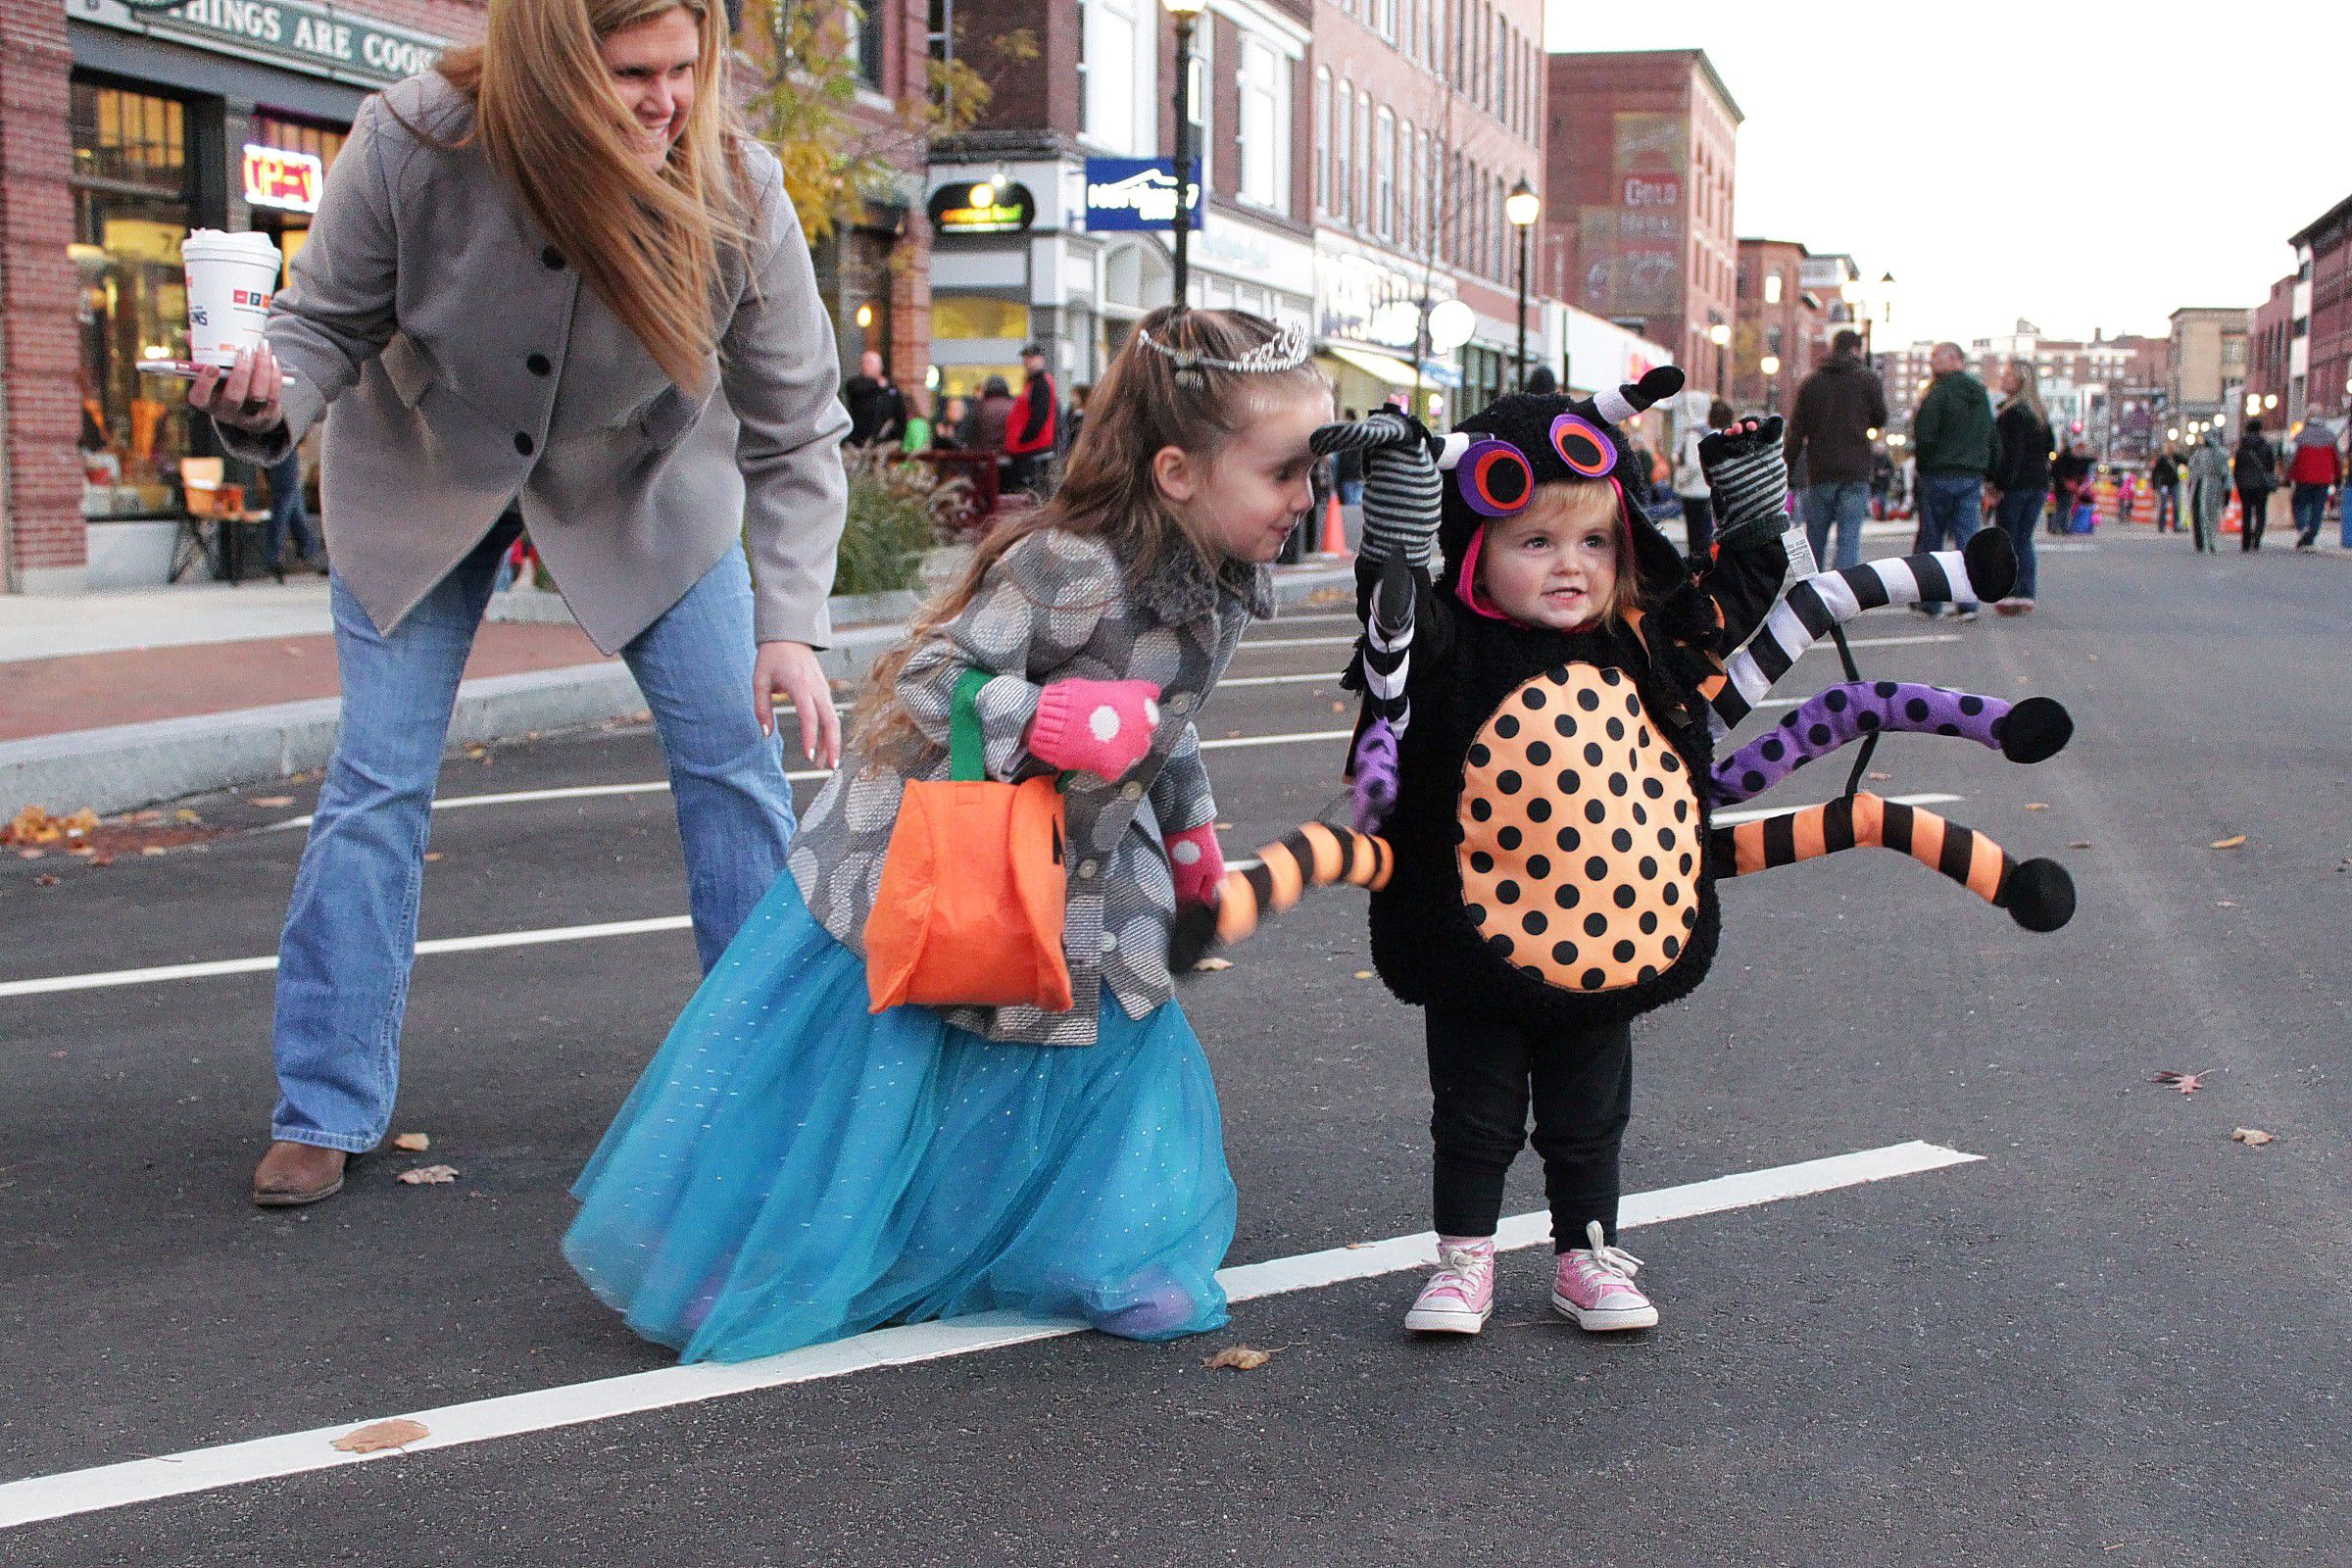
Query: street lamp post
(1522,206)
(1719,334)
(1770,365)
(1186,12)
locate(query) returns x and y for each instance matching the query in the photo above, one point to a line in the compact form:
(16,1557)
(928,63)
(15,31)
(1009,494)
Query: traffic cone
(1334,528)
(2232,517)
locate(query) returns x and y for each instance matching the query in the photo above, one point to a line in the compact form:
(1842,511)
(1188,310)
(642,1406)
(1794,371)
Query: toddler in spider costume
(1537,730)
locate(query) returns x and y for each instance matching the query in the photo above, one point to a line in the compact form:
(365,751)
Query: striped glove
(1402,488)
(1747,476)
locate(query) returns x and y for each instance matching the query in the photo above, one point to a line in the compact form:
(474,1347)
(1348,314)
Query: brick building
(1783,327)
(1639,160)
(1427,113)
(123,128)
(1074,152)
(2323,307)
(2270,343)
(2208,364)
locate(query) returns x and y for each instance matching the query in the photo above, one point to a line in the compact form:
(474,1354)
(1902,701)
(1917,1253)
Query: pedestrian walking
(877,409)
(1702,413)
(290,516)
(1534,615)
(482,304)
(2072,474)
(991,415)
(2021,482)
(2208,490)
(793,1167)
(1831,442)
(1347,472)
(2164,478)
(2255,472)
(1033,426)
(1952,433)
(2314,470)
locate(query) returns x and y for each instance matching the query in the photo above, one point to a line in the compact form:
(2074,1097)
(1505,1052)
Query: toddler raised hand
(1748,477)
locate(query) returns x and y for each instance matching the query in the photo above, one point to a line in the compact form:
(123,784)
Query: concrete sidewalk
(117,701)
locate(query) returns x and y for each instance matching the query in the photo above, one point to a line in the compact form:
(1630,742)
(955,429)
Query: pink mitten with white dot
(1196,864)
(1102,727)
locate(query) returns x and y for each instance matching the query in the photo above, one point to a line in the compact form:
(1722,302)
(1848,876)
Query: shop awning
(1380,367)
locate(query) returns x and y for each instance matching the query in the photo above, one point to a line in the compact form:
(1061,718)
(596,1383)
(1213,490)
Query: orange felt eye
(1495,478)
(1583,446)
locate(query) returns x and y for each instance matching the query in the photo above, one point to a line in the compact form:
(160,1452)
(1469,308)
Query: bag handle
(966,759)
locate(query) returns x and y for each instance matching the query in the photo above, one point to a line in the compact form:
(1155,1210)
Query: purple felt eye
(1495,478)
(1583,446)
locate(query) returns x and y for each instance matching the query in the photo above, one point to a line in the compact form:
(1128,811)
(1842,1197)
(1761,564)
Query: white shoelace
(1467,1264)
(1610,1259)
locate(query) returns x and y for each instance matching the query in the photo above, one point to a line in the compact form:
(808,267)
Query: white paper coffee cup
(231,279)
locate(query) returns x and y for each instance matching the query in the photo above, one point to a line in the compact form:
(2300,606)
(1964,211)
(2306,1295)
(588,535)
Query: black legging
(2252,505)
(1482,1073)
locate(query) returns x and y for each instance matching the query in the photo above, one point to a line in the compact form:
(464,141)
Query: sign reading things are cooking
(318,38)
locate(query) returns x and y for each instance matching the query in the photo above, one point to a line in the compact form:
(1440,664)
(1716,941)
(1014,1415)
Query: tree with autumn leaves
(842,159)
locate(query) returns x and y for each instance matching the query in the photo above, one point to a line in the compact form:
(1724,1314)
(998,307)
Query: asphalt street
(2118,1336)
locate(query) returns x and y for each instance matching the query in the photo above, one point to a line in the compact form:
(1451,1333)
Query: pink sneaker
(1596,1287)
(1459,1296)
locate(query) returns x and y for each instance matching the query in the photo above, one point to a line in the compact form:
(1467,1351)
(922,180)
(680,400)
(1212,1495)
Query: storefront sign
(286,180)
(317,38)
(1132,193)
(964,208)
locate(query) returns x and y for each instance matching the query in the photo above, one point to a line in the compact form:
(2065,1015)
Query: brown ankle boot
(293,1174)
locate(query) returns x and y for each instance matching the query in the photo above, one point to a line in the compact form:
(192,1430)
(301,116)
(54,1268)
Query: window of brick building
(1266,128)
(1383,173)
(1323,138)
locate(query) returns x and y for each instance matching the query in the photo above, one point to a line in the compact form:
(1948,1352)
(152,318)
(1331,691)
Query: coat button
(554,259)
(524,444)
(539,365)
(1131,791)
(1087,868)
(1181,702)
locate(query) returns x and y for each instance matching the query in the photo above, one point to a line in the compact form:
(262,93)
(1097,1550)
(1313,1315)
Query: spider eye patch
(1583,446)
(1495,478)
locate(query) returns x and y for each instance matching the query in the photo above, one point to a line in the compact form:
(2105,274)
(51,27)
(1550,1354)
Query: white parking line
(1757,813)
(115,1486)
(1886,642)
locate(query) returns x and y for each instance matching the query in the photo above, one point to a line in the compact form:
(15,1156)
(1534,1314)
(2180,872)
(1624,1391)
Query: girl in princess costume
(793,1167)
(1545,678)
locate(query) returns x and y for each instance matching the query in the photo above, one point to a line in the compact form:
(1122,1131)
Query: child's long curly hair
(1143,404)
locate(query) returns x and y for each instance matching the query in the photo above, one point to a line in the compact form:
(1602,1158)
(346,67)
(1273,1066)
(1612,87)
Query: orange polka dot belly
(1579,833)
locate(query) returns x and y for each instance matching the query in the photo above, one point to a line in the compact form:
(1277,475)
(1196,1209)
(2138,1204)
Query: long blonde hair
(647,242)
(1142,404)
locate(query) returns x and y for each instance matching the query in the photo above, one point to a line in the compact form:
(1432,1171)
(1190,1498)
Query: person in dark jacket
(2255,472)
(1033,432)
(2164,478)
(2022,477)
(1831,430)
(991,415)
(877,409)
(1954,440)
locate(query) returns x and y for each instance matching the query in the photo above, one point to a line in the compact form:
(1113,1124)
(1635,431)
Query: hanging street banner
(1134,193)
(317,39)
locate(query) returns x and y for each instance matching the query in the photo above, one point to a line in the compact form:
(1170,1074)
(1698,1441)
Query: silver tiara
(1286,350)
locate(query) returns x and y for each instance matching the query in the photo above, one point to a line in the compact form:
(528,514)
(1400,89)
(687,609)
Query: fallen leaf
(476,752)
(34,855)
(2078,844)
(273,801)
(428,1175)
(183,815)
(2230,843)
(2225,903)
(1239,1358)
(378,1435)
(1357,1246)
(50,879)
(158,849)
(2037,806)
(1337,708)
(1211,965)
(1363,974)
(414,1143)
(2251,1137)
(2189,1083)
(430,855)
(305,778)
(1875,778)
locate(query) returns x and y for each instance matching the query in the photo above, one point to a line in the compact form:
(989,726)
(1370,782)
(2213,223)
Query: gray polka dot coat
(1056,607)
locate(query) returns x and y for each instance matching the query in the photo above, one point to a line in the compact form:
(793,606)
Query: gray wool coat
(1056,607)
(466,366)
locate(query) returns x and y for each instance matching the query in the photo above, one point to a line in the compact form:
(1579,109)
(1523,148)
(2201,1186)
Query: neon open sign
(286,180)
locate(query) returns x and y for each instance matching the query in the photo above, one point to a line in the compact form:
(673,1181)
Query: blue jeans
(2020,514)
(1844,502)
(289,518)
(2310,502)
(1951,508)
(350,928)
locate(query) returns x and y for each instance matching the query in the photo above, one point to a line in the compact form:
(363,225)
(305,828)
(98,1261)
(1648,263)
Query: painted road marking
(115,1486)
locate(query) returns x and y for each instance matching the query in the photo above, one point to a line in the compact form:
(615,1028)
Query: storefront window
(279,214)
(131,185)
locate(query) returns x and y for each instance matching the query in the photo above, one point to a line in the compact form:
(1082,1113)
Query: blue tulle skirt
(792,1169)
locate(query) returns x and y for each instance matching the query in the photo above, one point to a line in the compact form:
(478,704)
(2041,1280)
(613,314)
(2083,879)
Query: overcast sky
(2076,164)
